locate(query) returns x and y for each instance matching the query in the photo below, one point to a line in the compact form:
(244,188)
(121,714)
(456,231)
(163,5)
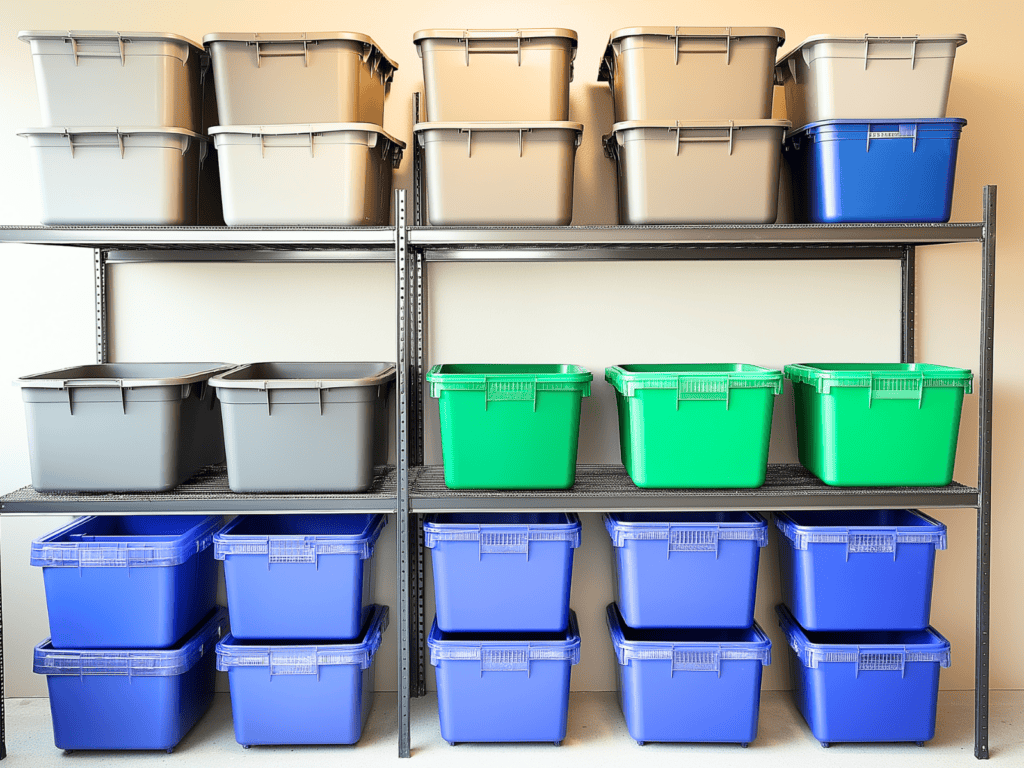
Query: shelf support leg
(99,267)
(3,692)
(417,167)
(909,287)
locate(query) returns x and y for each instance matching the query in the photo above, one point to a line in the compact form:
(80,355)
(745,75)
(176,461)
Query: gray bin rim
(958,38)
(59,380)
(368,42)
(104,130)
(497,126)
(28,35)
(494,34)
(224,380)
(297,129)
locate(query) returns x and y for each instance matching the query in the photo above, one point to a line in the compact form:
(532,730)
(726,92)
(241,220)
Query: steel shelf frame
(603,488)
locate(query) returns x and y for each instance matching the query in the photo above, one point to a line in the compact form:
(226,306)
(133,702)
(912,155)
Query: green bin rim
(824,376)
(472,376)
(627,377)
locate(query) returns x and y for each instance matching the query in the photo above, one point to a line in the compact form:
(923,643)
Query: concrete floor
(597,737)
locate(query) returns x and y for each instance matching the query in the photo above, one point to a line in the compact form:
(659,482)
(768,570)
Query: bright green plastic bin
(878,423)
(695,425)
(509,426)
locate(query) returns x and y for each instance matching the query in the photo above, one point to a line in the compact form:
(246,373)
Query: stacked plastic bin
(504,640)
(693,137)
(300,138)
(871,111)
(303,632)
(133,621)
(497,143)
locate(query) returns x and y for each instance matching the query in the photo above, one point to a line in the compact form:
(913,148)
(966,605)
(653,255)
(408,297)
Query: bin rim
(494,34)
(436,528)
(455,648)
(298,37)
(224,380)
(959,38)
(53,379)
(824,376)
(817,125)
(755,528)
(800,535)
(629,125)
(749,376)
(289,129)
(498,126)
(107,129)
(28,35)
(226,542)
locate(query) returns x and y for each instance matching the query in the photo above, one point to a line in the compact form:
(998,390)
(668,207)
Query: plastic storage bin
(878,423)
(867,171)
(509,426)
(298,577)
(686,569)
(499,173)
(498,572)
(121,426)
(118,78)
(299,77)
(707,172)
(858,570)
(304,427)
(496,74)
(130,699)
(300,175)
(695,425)
(119,176)
(504,687)
(699,685)
(700,73)
(302,694)
(136,581)
(877,77)
(865,686)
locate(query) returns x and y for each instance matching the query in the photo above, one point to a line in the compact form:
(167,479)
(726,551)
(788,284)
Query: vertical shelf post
(909,280)
(99,268)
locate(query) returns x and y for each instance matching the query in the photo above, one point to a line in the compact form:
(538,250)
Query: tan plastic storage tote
(299,77)
(867,77)
(701,172)
(118,78)
(306,175)
(499,173)
(496,74)
(691,73)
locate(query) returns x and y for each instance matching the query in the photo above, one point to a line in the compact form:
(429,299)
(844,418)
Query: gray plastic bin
(496,74)
(701,172)
(304,427)
(283,78)
(306,175)
(499,173)
(121,426)
(118,176)
(118,78)
(869,77)
(691,73)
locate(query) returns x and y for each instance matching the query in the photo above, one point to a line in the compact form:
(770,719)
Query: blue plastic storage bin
(694,685)
(302,694)
(686,569)
(865,686)
(502,572)
(298,577)
(848,171)
(858,569)
(130,699)
(139,581)
(504,686)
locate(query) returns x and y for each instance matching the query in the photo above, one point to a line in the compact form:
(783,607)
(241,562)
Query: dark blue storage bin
(502,572)
(865,686)
(858,569)
(130,699)
(302,694)
(138,581)
(712,556)
(847,171)
(504,687)
(298,577)
(695,685)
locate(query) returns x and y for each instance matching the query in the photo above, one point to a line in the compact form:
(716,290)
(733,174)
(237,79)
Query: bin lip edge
(827,371)
(289,129)
(570,643)
(698,32)
(628,125)
(51,381)
(61,130)
(615,622)
(482,34)
(497,126)
(295,37)
(383,376)
(369,534)
(958,37)
(28,35)
(808,127)
(577,374)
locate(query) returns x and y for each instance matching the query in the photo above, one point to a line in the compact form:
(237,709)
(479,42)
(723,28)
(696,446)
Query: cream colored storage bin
(869,77)
(701,172)
(306,175)
(499,173)
(496,74)
(691,73)
(118,176)
(299,77)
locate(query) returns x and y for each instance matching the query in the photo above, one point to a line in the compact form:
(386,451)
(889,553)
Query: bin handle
(868,39)
(685,660)
(282,54)
(308,134)
(890,135)
(680,139)
(726,35)
(513,659)
(877,660)
(72,38)
(484,48)
(912,389)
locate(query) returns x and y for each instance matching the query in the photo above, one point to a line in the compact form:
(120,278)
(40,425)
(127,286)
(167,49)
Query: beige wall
(594,315)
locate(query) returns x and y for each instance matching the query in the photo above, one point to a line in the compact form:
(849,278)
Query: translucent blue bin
(858,569)
(865,686)
(504,686)
(130,699)
(693,685)
(139,581)
(501,572)
(298,577)
(302,694)
(847,171)
(686,569)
